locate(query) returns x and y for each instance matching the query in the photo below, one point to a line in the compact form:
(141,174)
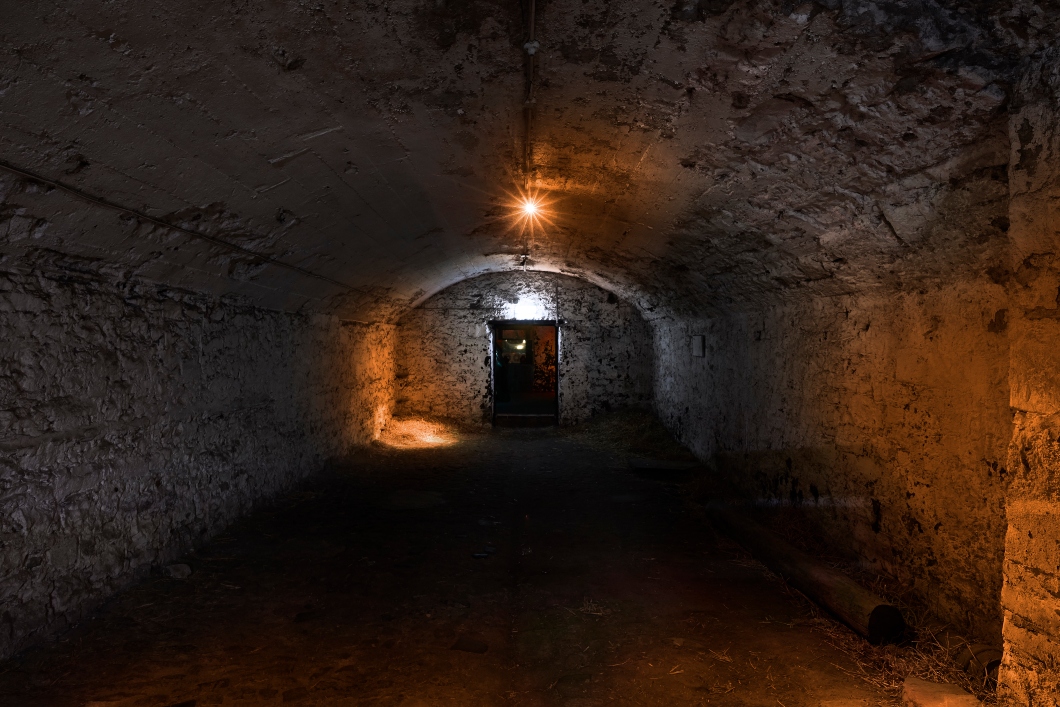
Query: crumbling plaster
(443,351)
(137,420)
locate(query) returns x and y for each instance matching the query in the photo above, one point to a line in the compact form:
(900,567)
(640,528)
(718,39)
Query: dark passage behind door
(525,374)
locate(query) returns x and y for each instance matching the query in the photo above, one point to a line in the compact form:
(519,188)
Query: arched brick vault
(851,201)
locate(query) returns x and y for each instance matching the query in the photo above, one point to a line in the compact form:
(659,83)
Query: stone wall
(883,418)
(1030,673)
(136,421)
(443,355)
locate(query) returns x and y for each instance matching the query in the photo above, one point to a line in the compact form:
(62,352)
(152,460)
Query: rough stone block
(922,693)
(1035,373)
(178,571)
(1032,556)
(1030,670)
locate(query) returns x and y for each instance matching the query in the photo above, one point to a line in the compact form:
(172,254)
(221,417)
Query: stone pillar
(1030,673)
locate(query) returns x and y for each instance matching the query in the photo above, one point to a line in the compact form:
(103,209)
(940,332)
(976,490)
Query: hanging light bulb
(530,212)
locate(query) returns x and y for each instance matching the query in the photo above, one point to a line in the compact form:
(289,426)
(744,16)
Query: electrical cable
(141,216)
(531,46)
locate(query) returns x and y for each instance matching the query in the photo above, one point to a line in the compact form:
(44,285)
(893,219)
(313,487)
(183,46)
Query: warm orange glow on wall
(417,434)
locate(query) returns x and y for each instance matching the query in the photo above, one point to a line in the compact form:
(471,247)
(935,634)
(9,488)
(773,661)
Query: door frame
(491,328)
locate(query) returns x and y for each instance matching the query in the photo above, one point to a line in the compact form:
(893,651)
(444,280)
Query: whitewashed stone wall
(443,350)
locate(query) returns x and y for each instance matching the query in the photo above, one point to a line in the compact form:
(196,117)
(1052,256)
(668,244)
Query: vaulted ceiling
(355,157)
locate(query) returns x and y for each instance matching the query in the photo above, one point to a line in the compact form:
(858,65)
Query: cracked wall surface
(883,420)
(443,352)
(136,421)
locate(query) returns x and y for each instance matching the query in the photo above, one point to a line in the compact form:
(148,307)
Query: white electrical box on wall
(699,346)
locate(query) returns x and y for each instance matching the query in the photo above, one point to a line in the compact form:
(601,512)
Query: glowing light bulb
(529,208)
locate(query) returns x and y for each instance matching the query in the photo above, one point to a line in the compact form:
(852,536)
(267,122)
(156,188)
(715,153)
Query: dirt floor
(524,567)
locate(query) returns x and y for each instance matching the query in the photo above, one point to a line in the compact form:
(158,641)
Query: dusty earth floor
(382,581)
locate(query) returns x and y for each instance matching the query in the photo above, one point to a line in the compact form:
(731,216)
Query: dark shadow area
(666,471)
(524,567)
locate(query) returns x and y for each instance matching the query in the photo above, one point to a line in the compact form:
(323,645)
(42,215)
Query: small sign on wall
(699,346)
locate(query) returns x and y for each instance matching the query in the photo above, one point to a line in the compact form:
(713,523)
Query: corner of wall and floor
(139,420)
(919,428)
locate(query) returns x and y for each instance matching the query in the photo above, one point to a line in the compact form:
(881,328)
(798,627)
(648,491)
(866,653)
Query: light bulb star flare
(529,212)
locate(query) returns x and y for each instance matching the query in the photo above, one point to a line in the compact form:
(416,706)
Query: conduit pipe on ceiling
(531,46)
(857,607)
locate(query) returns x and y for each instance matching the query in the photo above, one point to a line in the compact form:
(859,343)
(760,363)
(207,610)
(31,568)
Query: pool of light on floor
(417,434)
